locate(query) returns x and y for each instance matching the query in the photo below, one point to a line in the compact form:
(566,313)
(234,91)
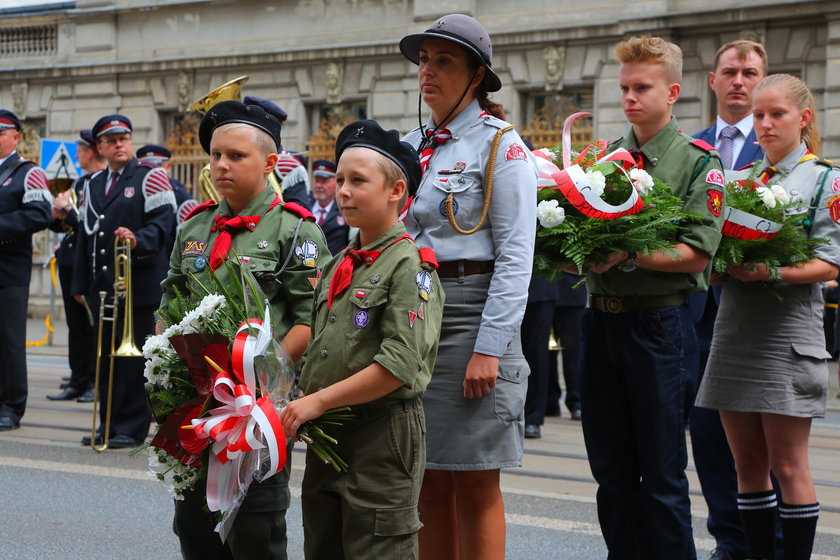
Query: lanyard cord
(424,137)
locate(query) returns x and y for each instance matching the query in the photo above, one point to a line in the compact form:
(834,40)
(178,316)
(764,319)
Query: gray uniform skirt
(472,434)
(767,354)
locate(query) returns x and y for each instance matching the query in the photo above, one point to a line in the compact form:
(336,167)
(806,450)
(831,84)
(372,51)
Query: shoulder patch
(35,179)
(702,144)
(296,208)
(715,177)
(515,151)
(199,209)
(155,182)
(185,210)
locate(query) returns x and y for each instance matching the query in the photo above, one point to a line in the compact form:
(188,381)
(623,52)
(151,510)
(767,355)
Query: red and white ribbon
(243,423)
(747,227)
(575,186)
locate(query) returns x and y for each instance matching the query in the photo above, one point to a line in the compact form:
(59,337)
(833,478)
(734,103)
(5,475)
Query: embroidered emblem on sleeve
(128,192)
(308,253)
(360,319)
(835,186)
(412,316)
(515,151)
(715,177)
(424,284)
(715,201)
(35,186)
(157,190)
(833,206)
(193,248)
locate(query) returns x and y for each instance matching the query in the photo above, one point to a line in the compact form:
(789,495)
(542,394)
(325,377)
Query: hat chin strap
(424,136)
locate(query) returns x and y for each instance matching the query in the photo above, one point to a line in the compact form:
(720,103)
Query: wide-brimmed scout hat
(462,30)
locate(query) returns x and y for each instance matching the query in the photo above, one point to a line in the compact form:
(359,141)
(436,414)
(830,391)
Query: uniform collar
(382,241)
(3,160)
(256,207)
(656,146)
(788,162)
(461,123)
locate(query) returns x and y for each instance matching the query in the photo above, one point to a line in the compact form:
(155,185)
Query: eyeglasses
(113,140)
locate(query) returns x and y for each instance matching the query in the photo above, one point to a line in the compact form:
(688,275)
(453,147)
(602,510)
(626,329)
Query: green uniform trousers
(370,511)
(258,532)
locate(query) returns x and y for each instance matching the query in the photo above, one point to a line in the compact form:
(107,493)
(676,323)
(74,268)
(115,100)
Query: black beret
(112,124)
(270,108)
(323,168)
(8,120)
(368,134)
(154,152)
(228,112)
(86,137)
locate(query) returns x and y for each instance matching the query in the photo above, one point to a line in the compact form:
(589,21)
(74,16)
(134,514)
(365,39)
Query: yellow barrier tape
(47,319)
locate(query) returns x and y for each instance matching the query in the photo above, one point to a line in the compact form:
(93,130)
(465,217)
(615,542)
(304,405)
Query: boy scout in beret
(284,249)
(376,323)
(638,335)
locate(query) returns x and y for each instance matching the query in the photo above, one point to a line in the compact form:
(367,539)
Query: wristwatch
(631,264)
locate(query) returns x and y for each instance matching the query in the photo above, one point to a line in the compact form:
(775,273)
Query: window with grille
(36,40)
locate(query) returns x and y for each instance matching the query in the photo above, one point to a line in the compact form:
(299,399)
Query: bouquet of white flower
(763,225)
(598,204)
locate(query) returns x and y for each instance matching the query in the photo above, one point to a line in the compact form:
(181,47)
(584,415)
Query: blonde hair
(260,138)
(391,172)
(653,50)
(743,48)
(797,92)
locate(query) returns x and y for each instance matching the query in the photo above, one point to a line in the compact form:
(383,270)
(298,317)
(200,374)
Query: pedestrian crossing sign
(58,159)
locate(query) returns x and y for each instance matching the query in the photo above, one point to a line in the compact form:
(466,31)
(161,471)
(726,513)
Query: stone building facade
(65,64)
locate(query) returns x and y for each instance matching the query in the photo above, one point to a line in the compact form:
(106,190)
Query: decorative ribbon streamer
(243,423)
(747,227)
(575,186)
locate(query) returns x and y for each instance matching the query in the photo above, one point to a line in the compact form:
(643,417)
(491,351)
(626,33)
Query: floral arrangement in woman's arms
(763,225)
(217,379)
(597,205)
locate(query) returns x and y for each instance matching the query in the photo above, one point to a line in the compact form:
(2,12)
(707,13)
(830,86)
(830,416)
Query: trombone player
(133,201)
(80,340)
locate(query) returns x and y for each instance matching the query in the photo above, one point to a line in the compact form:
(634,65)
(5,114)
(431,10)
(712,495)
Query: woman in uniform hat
(482,231)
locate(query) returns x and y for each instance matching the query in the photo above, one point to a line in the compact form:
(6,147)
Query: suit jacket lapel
(750,152)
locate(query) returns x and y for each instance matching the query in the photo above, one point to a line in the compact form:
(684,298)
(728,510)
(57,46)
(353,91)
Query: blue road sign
(58,159)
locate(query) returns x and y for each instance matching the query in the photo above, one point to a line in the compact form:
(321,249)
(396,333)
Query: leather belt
(625,304)
(456,269)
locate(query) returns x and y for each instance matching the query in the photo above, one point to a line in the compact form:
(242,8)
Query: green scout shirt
(673,159)
(390,315)
(275,243)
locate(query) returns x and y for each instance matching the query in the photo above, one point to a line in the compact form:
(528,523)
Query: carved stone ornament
(185,91)
(19,99)
(332,83)
(555,64)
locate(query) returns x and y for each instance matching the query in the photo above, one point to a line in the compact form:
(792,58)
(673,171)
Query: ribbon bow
(243,423)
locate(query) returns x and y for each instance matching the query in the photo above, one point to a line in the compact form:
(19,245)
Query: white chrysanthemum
(767,196)
(597,181)
(550,213)
(780,193)
(642,181)
(175,475)
(156,344)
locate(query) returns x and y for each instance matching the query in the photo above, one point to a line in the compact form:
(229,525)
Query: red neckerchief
(225,225)
(343,275)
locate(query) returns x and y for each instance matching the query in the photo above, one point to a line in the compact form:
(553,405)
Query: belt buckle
(613,304)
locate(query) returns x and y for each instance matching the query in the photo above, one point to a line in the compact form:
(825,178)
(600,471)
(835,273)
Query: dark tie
(112,183)
(321,213)
(727,135)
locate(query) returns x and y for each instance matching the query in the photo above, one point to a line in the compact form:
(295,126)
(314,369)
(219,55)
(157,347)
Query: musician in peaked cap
(81,352)
(25,207)
(184,202)
(285,250)
(129,200)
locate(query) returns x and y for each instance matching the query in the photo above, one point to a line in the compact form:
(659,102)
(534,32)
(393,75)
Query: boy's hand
(481,375)
(742,273)
(612,260)
(301,411)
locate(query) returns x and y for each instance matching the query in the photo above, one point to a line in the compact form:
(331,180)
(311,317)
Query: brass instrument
(127,349)
(552,342)
(230,91)
(63,184)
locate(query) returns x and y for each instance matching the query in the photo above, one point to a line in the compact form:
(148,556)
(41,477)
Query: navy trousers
(634,380)
(536,327)
(13,382)
(81,344)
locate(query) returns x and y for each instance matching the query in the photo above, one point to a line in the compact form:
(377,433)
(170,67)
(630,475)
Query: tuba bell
(230,91)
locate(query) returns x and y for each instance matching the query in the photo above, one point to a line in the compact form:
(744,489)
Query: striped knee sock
(799,526)
(758,517)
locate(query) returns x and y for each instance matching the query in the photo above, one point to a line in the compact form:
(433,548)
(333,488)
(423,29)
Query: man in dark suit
(81,354)
(133,201)
(739,66)
(321,202)
(25,207)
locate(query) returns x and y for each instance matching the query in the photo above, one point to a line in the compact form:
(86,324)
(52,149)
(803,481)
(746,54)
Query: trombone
(127,349)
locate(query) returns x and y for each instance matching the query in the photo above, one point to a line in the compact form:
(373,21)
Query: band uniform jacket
(25,208)
(65,254)
(142,201)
